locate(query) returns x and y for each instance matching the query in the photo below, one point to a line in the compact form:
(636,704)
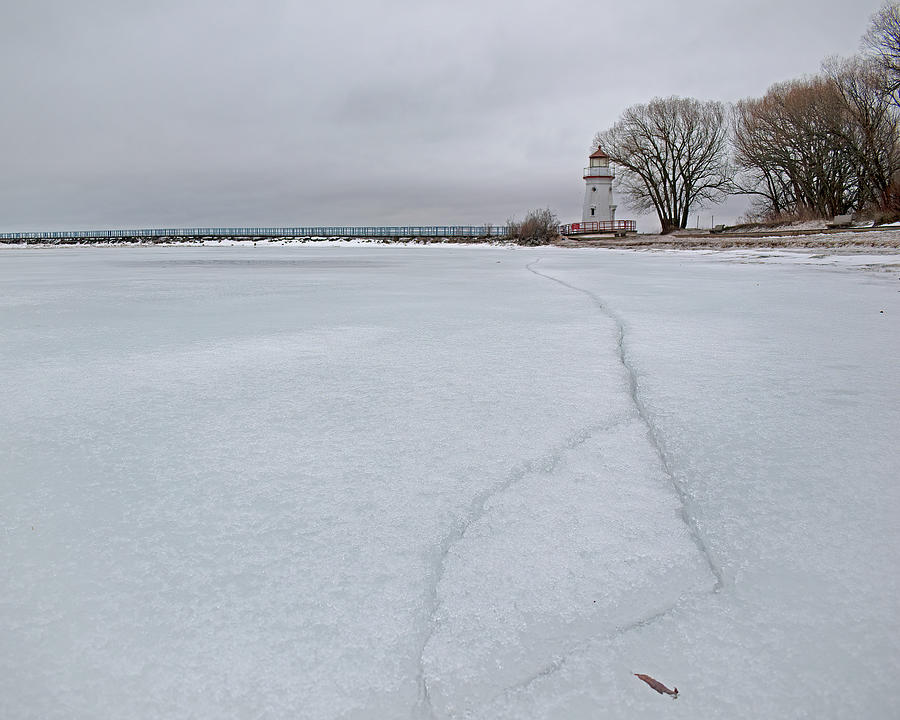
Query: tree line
(814,147)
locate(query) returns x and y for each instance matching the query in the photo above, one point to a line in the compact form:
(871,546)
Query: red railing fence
(599,226)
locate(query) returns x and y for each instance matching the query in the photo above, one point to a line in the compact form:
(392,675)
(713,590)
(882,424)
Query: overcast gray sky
(129,113)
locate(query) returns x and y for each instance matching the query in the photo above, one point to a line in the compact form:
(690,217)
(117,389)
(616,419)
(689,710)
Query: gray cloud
(123,113)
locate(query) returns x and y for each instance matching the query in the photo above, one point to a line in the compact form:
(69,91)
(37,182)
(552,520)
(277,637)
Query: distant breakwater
(310,233)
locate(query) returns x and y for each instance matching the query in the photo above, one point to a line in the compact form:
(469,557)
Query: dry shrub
(540,227)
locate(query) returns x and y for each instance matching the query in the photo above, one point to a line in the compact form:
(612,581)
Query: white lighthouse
(598,195)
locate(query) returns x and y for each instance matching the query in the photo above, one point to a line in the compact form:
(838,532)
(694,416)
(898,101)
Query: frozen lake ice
(444,482)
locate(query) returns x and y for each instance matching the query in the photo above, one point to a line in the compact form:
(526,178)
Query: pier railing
(314,231)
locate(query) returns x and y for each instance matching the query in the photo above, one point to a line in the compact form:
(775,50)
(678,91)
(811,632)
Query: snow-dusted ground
(416,482)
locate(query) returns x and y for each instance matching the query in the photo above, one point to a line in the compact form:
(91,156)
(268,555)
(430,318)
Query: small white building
(598,194)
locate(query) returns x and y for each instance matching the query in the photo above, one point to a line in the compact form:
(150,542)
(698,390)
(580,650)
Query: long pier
(253,233)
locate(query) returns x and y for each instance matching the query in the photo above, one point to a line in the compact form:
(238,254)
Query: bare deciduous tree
(883,42)
(671,156)
(785,149)
(820,146)
(762,170)
(870,128)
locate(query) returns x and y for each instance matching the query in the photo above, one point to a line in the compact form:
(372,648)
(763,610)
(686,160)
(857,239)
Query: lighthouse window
(592,211)
(593,189)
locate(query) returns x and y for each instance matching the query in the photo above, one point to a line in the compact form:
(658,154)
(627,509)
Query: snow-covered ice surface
(403,482)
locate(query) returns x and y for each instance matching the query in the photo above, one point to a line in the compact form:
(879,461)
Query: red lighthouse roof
(599,154)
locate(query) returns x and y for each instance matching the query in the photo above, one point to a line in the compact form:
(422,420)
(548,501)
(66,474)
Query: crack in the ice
(477,510)
(689,511)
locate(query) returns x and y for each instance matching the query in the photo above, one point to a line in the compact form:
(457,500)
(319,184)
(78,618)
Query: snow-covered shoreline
(844,240)
(266,242)
(845,255)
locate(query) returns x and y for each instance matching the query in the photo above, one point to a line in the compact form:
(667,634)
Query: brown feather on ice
(657,685)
